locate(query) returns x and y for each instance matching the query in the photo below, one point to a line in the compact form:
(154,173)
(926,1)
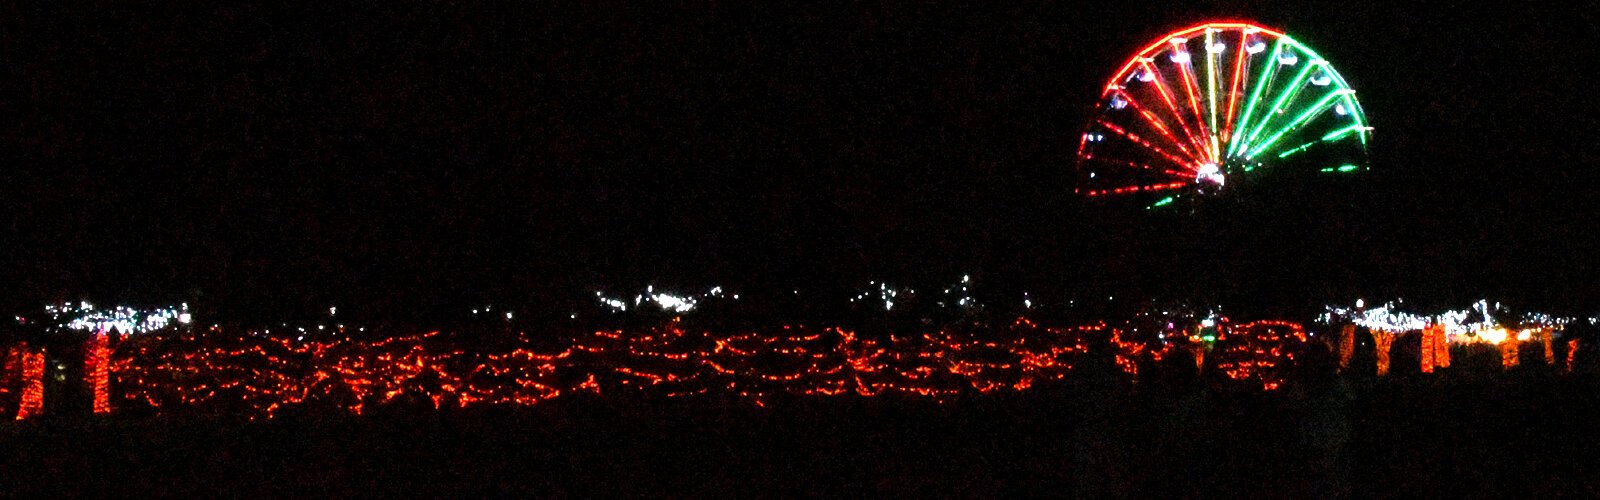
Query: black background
(275,158)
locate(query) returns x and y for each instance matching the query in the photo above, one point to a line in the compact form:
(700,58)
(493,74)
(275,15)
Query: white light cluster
(664,301)
(964,299)
(1474,324)
(125,320)
(884,293)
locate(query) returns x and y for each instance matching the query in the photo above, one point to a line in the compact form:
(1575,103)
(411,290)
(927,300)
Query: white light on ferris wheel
(1209,173)
(1180,57)
(1256,48)
(1216,48)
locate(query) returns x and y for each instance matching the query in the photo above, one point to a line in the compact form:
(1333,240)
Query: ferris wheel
(1217,101)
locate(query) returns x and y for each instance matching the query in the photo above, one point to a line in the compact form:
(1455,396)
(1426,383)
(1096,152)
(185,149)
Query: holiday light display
(1260,351)
(260,374)
(1435,351)
(1509,356)
(663,301)
(1208,102)
(84,316)
(11,372)
(214,371)
(1572,352)
(1382,341)
(1478,324)
(1347,346)
(31,368)
(96,369)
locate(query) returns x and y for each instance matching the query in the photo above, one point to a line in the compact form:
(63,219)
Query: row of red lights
(259,375)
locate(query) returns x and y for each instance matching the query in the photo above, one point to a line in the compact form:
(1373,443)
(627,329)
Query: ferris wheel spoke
(1213,51)
(1147,145)
(1144,167)
(1262,81)
(1277,108)
(1137,188)
(1301,119)
(1341,133)
(1233,89)
(1156,123)
(1172,106)
(1189,87)
(1291,151)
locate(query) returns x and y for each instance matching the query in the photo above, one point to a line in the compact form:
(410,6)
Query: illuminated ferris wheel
(1211,102)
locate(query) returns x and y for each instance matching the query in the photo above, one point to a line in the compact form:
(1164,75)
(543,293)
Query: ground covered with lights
(1362,400)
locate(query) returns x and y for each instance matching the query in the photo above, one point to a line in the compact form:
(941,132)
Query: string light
(96,369)
(32,373)
(260,374)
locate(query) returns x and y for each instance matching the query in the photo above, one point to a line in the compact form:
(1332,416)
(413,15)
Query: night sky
(416,157)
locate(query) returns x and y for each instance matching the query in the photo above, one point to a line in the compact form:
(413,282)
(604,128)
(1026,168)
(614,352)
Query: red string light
(217,371)
(32,371)
(96,360)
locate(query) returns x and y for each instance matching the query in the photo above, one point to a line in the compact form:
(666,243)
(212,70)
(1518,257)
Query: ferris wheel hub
(1209,173)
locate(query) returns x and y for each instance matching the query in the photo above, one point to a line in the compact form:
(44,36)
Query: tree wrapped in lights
(97,370)
(1382,340)
(1347,345)
(1509,357)
(1435,350)
(31,363)
(1572,354)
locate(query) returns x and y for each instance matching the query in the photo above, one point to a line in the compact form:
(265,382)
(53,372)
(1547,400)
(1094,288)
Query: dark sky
(416,156)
